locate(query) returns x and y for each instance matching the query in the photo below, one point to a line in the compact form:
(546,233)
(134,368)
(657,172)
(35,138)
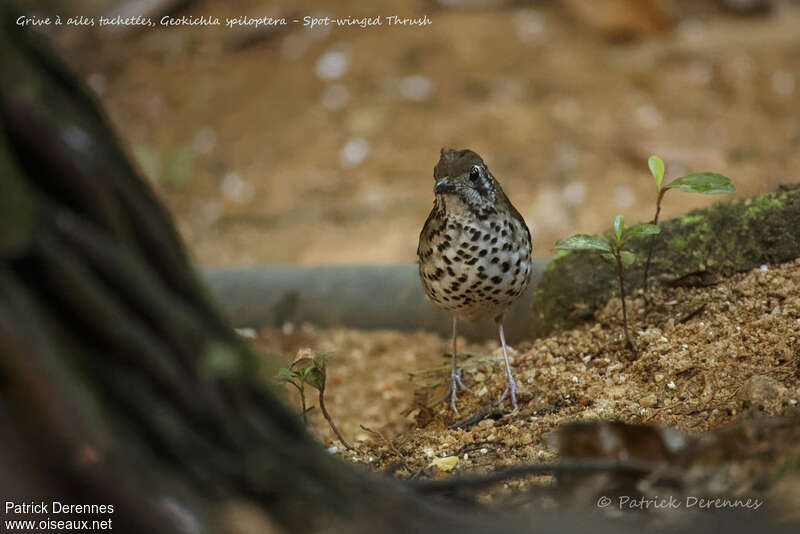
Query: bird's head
(463,182)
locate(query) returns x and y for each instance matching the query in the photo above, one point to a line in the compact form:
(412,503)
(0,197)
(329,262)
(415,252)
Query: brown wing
(503,199)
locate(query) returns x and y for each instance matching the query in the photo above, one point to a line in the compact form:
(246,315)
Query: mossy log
(727,237)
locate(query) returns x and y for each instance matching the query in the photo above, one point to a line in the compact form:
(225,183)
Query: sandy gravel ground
(707,357)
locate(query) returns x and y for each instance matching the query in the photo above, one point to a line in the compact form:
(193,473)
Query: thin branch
(303,403)
(577,466)
(391,446)
(490,410)
(692,314)
(652,241)
(330,421)
(621,278)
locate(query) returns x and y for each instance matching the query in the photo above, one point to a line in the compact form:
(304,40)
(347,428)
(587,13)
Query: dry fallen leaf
(445,464)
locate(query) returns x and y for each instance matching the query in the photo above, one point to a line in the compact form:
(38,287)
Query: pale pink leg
(511,385)
(455,376)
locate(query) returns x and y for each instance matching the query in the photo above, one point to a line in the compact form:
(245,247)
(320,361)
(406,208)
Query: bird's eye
(475,173)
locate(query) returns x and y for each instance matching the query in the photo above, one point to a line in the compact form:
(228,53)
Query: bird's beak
(443,186)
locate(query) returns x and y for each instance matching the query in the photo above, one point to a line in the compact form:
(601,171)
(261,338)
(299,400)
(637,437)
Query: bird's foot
(511,387)
(452,391)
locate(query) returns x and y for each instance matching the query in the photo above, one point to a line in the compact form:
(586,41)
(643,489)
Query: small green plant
(706,183)
(612,251)
(310,370)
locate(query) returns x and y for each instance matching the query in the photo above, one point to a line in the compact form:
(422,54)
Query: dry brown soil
(245,144)
(707,357)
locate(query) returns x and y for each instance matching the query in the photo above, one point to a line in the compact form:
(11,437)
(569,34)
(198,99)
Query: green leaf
(656,169)
(285,375)
(619,226)
(707,183)
(149,161)
(321,359)
(627,258)
(180,165)
(607,256)
(303,372)
(641,229)
(316,378)
(582,242)
(221,361)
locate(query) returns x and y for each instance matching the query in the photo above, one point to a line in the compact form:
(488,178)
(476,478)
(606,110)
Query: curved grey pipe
(359,296)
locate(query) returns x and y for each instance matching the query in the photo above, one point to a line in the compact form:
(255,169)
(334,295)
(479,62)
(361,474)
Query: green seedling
(706,183)
(311,371)
(612,251)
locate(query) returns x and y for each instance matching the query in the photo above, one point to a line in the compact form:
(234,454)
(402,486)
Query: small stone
(763,392)
(249,333)
(355,151)
(649,401)
(624,197)
(530,26)
(574,193)
(333,64)
(416,88)
(236,188)
(204,140)
(648,117)
(335,97)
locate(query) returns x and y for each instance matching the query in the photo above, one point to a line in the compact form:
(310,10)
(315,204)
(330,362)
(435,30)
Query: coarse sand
(707,357)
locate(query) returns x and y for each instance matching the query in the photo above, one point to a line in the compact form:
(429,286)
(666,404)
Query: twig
(490,410)
(691,314)
(473,446)
(479,481)
(397,453)
(652,242)
(425,469)
(330,421)
(621,278)
(302,401)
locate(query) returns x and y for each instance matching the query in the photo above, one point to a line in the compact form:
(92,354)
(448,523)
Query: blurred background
(314,146)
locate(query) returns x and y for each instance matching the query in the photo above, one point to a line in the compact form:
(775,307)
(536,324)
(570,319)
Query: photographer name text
(625,502)
(58,516)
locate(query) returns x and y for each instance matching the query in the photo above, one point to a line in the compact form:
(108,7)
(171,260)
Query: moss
(731,236)
(691,219)
(679,242)
(758,205)
(559,255)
